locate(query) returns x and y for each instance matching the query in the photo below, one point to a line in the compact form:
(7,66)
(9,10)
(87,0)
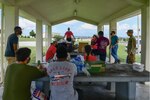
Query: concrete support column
(113,27)
(145,46)
(39,40)
(148,38)
(49,35)
(100,28)
(10,18)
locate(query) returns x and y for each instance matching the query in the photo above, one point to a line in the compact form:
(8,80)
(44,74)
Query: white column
(148,39)
(145,38)
(100,28)
(113,27)
(10,18)
(48,35)
(39,40)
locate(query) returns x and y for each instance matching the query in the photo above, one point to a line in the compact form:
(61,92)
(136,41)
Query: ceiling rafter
(75,18)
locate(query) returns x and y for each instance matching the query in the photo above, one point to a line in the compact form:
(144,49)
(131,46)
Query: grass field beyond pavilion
(121,52)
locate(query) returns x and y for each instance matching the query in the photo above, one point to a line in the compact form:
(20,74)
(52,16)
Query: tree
(32,33)
(58,37)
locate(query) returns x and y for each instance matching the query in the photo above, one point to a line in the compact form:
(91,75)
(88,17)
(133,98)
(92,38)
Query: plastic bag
(79,62)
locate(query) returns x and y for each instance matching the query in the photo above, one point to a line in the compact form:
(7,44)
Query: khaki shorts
(11,60)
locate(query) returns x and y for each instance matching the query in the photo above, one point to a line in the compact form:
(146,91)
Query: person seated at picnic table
(19,76)
(88,56)
(51,51)
(94,45)
(61,75)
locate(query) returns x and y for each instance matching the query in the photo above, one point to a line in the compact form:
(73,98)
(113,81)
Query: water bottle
(39,62)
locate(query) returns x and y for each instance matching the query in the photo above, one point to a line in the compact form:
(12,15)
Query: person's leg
(102,56)
(114,53)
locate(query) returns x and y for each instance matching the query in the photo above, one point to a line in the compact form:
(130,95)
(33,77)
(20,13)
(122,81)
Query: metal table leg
(125,90)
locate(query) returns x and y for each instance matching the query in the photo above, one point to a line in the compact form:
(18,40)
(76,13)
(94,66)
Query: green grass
(121,53)
(33,54)
(28,39)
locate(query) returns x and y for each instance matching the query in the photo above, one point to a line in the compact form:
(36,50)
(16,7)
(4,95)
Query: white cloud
(88,26)
(71,22)
(26,24)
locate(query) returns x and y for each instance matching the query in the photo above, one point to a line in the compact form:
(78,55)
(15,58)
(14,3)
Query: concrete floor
(92,92)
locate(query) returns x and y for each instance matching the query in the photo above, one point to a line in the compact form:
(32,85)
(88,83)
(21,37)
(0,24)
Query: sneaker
(118,61)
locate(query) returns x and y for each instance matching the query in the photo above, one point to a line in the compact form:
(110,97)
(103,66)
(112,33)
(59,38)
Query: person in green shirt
(19,76)
(131,48)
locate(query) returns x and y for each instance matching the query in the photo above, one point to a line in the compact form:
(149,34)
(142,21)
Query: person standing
(131,47)
(114,46)
(69,36)
(102,44)
(12,45)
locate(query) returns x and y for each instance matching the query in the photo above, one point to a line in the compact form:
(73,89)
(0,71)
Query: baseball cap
(130,31)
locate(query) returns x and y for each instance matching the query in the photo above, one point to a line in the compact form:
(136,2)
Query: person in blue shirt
(114,46)
(12,45)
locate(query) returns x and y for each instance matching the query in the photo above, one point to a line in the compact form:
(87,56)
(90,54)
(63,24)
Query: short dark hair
(17,27)
(101,33)
(23,53)
(61,52)
(113,32)
(68,28)
(88,50)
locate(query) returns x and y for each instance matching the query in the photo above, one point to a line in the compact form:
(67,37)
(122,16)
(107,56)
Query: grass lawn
(28,39)
(121,53)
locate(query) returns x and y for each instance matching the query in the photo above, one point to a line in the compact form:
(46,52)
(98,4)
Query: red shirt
(102,44)
(50,52)
(68,34)
(90,58)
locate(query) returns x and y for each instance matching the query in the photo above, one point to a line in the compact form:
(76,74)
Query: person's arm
(64,35)
(75,69)
(36,73)
(15,47)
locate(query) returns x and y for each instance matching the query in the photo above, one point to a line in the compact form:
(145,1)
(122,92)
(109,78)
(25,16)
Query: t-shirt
(68,34)
(17,81)
(131,45)
(61,80)
(12,39)
(90,58)
(50,52)
(114,40)
(102,44)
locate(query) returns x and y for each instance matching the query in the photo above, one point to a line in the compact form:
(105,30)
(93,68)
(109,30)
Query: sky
(84,29)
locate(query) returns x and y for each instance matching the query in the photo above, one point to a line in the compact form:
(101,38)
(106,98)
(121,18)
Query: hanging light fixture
(76,1)
(75,12)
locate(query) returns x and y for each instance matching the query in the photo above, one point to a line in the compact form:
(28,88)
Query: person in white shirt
(61,75)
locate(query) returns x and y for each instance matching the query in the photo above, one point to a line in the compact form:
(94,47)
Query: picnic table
(122,74)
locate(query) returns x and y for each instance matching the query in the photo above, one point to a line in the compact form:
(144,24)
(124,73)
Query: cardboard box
(81,46)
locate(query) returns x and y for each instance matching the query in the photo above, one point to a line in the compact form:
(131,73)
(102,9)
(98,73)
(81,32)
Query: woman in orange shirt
(88,56)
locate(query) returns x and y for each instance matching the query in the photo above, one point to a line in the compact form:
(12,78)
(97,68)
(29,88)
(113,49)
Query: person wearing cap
(69,36)
(114,46)
(131,47)
(12,45)
(102,44)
